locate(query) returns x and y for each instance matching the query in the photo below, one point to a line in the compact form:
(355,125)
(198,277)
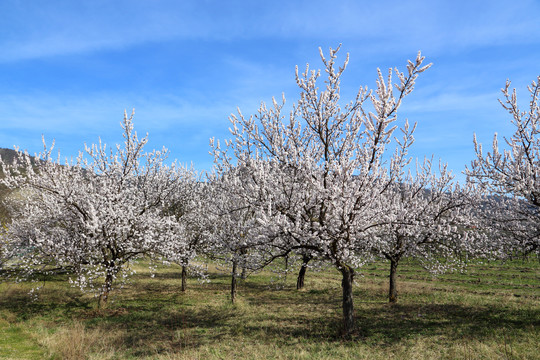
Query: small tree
(231,221)
(94,216)
(427,217)
(512,177)
(188,208)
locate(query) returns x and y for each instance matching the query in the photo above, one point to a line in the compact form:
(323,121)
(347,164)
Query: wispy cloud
(67,27)
(182,125)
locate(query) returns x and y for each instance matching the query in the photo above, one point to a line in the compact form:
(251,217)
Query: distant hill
(8,155)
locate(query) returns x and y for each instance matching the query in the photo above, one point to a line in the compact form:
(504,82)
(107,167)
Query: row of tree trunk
(347,281)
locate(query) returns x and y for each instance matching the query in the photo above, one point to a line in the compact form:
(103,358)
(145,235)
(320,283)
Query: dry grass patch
(76,342)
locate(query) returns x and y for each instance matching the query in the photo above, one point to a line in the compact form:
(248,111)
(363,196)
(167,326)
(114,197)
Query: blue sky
(68,69)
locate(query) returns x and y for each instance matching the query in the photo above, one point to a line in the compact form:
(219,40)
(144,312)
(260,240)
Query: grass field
(490,312)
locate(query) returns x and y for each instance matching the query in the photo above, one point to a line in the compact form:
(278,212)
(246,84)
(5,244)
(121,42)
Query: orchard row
(322,183)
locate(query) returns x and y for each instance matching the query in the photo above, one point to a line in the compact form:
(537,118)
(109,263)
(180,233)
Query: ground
(492,311)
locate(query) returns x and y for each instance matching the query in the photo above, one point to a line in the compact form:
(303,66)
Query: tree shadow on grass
(393,323)
(47,302)
(153,332)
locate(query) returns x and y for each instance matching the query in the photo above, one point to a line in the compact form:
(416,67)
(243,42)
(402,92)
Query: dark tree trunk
(233,281)
(348,307)
(302,272)
(392,292)
(301,276)
(184,277)
(107,286)
(244,273)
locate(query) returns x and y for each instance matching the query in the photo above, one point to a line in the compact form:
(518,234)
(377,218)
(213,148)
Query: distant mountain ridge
(8,155)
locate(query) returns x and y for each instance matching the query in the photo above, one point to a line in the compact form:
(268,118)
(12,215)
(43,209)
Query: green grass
(490,312)
(16,343)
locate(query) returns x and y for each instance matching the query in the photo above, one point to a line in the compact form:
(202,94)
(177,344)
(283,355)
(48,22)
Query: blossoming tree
(512,176)
(429,218)
(97,214)
(316,175)
(189,209)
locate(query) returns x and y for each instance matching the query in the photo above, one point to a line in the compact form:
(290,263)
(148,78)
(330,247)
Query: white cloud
(183,126)
(62,27)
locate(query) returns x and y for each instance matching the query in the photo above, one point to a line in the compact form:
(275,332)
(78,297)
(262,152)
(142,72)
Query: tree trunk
(233,281)
(184,277)
(392,292)
(302,272)
(348,307)
(105,290)
(301,276)
(244,273)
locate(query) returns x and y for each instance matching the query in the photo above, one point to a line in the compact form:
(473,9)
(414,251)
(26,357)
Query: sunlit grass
(490,312)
